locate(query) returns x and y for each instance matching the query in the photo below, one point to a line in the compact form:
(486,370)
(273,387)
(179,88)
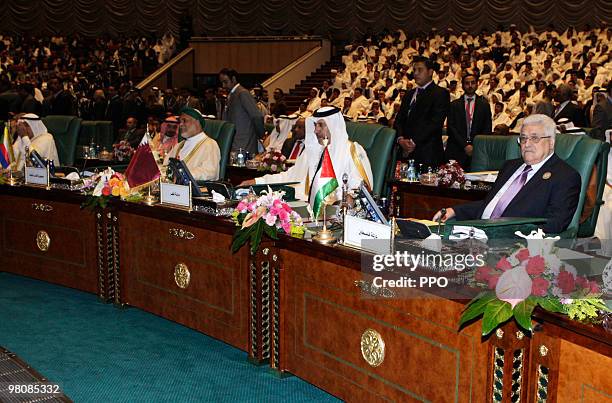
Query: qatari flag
(142,168)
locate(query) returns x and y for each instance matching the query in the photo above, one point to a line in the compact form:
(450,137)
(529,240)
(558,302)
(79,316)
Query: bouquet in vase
(123,151)
(451,175)
(273,161)
(267,214)
(531,277)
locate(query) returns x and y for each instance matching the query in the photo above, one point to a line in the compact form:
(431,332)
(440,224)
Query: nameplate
(36,176)
(367,235)
(175,195)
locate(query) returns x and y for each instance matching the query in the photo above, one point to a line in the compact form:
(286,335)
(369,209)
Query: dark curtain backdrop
(341,19)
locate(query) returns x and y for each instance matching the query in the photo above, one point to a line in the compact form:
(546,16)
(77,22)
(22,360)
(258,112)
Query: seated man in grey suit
(540,184)
(241,109)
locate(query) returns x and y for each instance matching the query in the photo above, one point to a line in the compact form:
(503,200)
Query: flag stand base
(325,237)
(149,200)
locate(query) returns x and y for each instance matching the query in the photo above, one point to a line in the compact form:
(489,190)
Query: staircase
(302,90)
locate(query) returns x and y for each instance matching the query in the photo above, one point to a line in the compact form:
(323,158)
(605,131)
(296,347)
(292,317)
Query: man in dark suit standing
(242,111)
(566,108)
(602,113)
(539,184)
(468,116)
(421,117)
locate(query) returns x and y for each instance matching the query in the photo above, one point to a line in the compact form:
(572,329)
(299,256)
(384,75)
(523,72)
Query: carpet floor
(98,353)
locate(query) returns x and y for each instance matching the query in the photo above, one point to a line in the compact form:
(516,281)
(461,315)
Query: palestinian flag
(324,184)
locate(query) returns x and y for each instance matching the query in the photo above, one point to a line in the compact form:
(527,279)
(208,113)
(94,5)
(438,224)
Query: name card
(175,195)
(37,176)
(368,235)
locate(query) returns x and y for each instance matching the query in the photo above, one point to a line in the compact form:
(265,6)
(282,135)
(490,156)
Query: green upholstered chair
(100,130)
(491,151)
(580,152)
(583,153)
(378,142)
(65,131)
(223,133)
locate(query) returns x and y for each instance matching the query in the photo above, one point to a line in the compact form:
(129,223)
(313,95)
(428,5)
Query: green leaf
(476,307)
(272,232)
(256,236)
(496,313)
(522,312)
(551,304)
(240,238)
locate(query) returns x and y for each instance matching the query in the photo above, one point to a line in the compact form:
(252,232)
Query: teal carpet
(101,354)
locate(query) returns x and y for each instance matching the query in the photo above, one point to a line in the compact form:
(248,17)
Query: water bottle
(412,176)
(51,166)
(92,148)
(240,158)
(28,162)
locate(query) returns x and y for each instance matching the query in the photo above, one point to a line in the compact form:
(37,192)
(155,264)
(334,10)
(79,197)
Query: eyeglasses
(533,139)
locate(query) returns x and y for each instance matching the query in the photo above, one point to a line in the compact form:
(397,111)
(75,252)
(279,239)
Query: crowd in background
(519,72)
(92,78)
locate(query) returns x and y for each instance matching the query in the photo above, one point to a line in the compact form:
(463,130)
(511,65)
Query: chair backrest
(378,142)
(583,153)
(223,133)
(491,151)
(65,131)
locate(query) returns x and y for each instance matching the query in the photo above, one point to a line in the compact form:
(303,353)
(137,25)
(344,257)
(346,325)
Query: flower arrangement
(273,161)
(267,214)
(123,151)
(527,278)
(101,187)
(451,175)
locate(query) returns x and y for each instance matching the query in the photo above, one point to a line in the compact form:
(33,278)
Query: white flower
(514,286)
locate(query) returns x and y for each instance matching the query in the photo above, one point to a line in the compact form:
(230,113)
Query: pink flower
(535,265)
(503,264)
(283,215)
(566,282)
(241,206)
(270,219)
(273,167)
(287,227)
(492,281)
(590,286)
(252,217)
(483,274)
(522,254)
(539,287)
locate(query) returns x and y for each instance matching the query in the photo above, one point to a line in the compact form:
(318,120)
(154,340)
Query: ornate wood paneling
(324,318)
(193,280)
(49,240)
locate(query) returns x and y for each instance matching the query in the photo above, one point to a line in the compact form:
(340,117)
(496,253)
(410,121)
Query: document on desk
(482,176)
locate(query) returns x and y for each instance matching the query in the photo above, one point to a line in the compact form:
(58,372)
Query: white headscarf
(339,147)
(277,139)
(37,126)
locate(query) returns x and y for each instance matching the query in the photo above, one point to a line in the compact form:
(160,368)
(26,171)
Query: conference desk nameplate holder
(37,177)
(175,196)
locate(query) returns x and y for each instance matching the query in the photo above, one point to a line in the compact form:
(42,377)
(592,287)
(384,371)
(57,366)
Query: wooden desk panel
(71,255)
(324,315)
(216,300)
(418,201)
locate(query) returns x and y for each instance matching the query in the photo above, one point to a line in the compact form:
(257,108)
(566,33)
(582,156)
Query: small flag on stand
(142,169)
(6,150)
(323,184)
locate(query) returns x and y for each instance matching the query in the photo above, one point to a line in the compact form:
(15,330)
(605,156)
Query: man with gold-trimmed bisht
(200,152)
(347,157)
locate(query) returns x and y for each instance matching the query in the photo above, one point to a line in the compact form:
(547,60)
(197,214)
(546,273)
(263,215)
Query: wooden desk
(419,201)
(300,305)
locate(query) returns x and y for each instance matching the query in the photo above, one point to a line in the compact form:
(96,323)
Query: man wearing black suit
(539,184)
(566,108)
(421,117)
(468,116)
